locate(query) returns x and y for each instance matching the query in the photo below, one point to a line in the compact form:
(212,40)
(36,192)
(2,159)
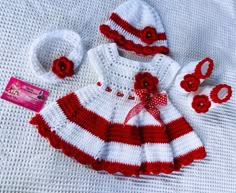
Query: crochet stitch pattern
(204,68)
(190,83)
(194,30)
(146,36)
(195,74)
(201,103)
(63,65)
(201,98)
(208,97)
(216,90)
(88,124)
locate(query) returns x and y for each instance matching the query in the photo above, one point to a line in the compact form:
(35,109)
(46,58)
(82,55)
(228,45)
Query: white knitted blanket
(195,29)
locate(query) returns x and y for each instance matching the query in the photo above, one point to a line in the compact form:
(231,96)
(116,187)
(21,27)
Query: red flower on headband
(149,35)
(201,103)
(145,80)
(63,67)
(190,83)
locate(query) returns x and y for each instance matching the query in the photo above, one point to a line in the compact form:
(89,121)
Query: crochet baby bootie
(136,26)
(193,74)
(201,98)
(208,97)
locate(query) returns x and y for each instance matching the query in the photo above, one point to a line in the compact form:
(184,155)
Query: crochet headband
(61,66)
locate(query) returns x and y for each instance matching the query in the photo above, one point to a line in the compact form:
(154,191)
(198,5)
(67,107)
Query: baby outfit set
(125,122)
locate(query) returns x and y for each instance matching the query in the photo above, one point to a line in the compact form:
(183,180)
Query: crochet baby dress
(114,126)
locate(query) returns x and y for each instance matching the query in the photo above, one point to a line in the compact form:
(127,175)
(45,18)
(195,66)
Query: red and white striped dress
(88,124)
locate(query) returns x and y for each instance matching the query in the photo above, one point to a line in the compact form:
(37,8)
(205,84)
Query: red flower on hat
(190,83)
(145,80)
(63,67)
(201,103)
(149,35)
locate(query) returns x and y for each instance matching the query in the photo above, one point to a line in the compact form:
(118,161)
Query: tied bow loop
(149,102)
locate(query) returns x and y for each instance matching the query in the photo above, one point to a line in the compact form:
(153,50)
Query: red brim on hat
(130,45)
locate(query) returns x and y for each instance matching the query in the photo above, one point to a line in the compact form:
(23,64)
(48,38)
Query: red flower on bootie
(144,80)
(149,35)
(201,103)
(190,83)
(63,67)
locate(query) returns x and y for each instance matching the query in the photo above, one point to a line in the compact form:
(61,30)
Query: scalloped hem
(113,167)
(130,45)
(188,158)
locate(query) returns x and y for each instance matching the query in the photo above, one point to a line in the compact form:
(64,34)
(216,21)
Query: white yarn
(75,55)
(206,90)
(186,144)
(205,68)
(112,151)
(118,74)
(103,56)
(139,15)
(195,29)
(190,69)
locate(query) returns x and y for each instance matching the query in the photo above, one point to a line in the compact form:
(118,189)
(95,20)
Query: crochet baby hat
(136,26)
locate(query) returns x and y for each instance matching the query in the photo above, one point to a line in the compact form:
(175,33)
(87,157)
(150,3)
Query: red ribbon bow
(149,103)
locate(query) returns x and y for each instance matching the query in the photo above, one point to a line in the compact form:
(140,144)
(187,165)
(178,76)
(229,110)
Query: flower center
(200,104)
(145,83)
(62,66)
(190,83)
(148,34)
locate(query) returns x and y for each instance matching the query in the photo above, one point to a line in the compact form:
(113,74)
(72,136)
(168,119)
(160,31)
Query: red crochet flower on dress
(63,67)
(201,103)
(149,35)
(144,80)
(190,83)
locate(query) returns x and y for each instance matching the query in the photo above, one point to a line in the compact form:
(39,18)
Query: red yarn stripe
(113,167)
(188,158)
(157,167)
(84,158)
(178,128)
(131,29)
(107,131)
(130,45)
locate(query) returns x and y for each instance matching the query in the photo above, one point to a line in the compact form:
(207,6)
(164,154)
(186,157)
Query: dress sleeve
(97,60)
(166,72)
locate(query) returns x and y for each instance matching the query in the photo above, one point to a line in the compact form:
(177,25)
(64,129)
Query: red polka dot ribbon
(148,102)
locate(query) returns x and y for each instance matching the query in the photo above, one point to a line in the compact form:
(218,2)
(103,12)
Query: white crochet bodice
(118,73)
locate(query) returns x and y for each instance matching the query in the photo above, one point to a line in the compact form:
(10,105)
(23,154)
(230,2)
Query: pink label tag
(25,94)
